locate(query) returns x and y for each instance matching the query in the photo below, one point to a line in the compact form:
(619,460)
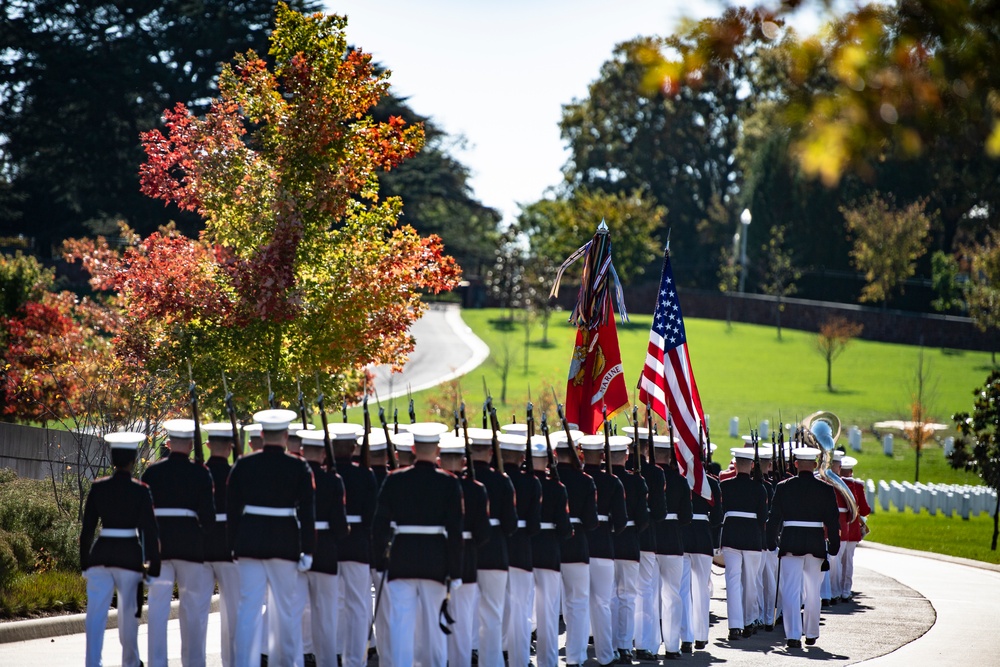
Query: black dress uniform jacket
(626,542)
(656,498)
(216,540)
(611,504)
(119,501)
(546,546)
(420,495)
(361,491)
(475,524)
(500,491)
(700,535)
(581,494)
(178,482)
(329,508)
(677,493)
(271,478)
(805,498)
(528,497)
(743,494)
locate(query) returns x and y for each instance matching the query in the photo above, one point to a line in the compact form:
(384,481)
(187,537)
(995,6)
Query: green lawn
(939,534)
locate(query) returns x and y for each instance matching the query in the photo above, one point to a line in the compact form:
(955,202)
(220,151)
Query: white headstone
(964,508)
(949,445)
(765,430)
(884,494)
(887,444)
(734,427)
(854,438)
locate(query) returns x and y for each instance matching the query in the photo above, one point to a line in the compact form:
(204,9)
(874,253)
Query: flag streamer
(593,303)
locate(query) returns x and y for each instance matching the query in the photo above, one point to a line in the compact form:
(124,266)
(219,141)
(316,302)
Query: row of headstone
(734,428)
(963,500)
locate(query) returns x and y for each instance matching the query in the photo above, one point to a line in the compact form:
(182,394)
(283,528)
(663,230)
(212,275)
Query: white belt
(842,509)
(494,522)
(740,515)
(466,535)
(119,532)
(521,523)
(545,525)
(802,524)
(353,518)
(574,519)
(699,517)
(672,516)
(603,517)
(262,510)
(322,525)
(416,529)
(221,518)
(175,512)
(630,523)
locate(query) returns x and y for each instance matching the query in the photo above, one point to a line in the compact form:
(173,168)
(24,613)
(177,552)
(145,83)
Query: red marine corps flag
(595,374)
(668,381)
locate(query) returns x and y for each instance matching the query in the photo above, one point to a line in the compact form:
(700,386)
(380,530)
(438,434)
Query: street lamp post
(745,221)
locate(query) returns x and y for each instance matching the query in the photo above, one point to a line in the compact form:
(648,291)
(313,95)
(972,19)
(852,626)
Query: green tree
(978,449)
(779,271)
(22,279)
(945,283)
(78,84)
(555,228)
(835,334)
(887,243)
(983,288)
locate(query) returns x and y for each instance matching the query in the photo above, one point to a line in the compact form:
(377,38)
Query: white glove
(305,562)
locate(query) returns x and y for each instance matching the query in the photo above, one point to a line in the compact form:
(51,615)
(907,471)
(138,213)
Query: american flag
(668,382)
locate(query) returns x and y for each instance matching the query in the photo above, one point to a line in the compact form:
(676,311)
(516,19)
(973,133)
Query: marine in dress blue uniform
(270,506)
(699,545)
(184,505)
(124,508)
(670,548)
(626,544)
(420,511)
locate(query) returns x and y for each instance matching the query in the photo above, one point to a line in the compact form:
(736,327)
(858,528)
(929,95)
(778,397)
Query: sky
(498,72)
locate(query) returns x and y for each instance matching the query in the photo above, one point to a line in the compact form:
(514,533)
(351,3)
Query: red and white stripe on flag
(668,383)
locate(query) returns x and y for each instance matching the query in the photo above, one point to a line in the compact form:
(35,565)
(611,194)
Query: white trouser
(836,577)
(623,603)
(324,617)
(227,574)
(846,558)
(101,584)
(382,633)
(824,586)
(768,589)
(273,621)
(195,585)
(742,572)
(281,577)
(355,612)
(602,586)
(800,584)
(492,591)
(671,571)
(517,616)
(547,593)
(696,593)
(464,598)
(647,604)
(416,604)
(576,610)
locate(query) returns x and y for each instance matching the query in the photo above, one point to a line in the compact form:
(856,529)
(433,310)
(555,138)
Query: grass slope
(939,534)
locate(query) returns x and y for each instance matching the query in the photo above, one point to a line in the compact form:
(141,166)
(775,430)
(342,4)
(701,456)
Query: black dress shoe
(624,656)
(475,656)
(645,656)
(811,641)
(793,643)
(671,655)
(309,659)
(769,627)
(700,645)
(748,632)
(834,600)
(686,647)
(735,633)
(263,660)
(825,602)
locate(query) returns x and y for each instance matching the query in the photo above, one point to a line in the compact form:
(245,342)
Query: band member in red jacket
(851,532)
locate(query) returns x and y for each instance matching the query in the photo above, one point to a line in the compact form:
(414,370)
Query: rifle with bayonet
(390,448)
(550,455)
(199,454)
(343,409)
(650,446)
(495,427)
(231,411)
(409,396)
(271,401)
(529,420)
(366,445)
(636,461)
(331,464)
(574,458)
(670,430)
(302,403)
(470,469)
(755,439)
(607,440)
(395,420)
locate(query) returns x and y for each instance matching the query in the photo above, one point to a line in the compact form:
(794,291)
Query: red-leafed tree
(301,267)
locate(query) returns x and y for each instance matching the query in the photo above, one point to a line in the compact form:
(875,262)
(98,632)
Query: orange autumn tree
(301,268)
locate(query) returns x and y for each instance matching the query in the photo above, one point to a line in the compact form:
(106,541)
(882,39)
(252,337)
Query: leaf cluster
(978,449)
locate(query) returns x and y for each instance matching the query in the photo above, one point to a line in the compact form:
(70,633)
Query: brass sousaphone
(821,430)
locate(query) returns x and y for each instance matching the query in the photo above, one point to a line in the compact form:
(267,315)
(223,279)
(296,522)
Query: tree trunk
(916,476)
(829,374)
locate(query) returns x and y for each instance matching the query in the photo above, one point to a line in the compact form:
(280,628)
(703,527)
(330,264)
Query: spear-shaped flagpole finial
(603,227)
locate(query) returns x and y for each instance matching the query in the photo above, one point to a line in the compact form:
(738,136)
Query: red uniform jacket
(851,532)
